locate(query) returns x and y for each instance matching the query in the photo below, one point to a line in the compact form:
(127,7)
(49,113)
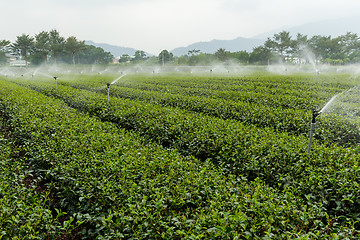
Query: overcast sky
(153,25)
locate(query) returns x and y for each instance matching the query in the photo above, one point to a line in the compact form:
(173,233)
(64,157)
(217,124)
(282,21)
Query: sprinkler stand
(312,128)
(318,73)
(108,87)
(55,82)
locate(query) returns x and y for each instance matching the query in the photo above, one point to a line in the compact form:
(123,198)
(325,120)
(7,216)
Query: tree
(222,54)
(42,44)
(241,56)
(260,55)
(201,59)
(322,46)
(57,44)
(281,44)
(300,46)
(183,60)
(124,58)
(194,52)
(4,44)
(94,55)
(3,49)
(165,57)
(74,46)
(23,46)
(350,45)
(139,56)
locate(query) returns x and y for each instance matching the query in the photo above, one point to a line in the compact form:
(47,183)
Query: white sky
(153,25)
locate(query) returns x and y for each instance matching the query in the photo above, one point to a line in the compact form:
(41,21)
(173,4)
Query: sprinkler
(210,73)
(108,87)
(312,128)
(317,73)
(55,81)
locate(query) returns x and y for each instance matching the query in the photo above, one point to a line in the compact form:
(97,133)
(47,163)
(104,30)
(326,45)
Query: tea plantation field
(179,156)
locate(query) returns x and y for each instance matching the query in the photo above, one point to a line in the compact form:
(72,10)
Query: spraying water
(315,114)
(43,74)
(332,100)
(113,82)
(328,103)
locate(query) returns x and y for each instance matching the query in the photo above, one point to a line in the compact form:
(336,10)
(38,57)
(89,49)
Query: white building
(18,63)
(13,60)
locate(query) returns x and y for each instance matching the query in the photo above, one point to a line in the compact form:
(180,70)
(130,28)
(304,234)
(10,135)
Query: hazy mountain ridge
(117,51)
(332,27)
(235,45)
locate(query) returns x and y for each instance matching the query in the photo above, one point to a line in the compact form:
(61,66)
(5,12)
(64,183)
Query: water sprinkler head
(55,78)
(108,85)
(315,114)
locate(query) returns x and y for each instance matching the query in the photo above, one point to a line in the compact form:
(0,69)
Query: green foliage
(124,58)
(184,157)
(94,55)
(118,187)
(57,44)
(241,56)
(23,46)
(45,44)
(25,211)
(139,56)
(42,44)
(222,55)
(73,46)
(260,55)
(3,58)
(164,57)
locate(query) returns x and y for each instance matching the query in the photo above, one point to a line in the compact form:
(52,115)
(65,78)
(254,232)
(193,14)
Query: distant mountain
(235,45)
(332,27)
(117,51)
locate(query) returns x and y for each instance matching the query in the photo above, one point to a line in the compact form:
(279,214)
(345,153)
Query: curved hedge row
(328,176)
(271,92)
(25,213)
(294,121)
(117,187)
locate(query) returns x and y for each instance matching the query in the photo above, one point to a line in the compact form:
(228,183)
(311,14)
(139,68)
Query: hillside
(332,27)
(237,44)
(117,51)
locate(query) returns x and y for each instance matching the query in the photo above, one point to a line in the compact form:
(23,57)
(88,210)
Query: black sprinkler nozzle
(108,85)
(315,114)
(55,78)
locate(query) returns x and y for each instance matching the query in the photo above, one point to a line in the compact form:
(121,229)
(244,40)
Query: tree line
(50,46)
(281,47)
